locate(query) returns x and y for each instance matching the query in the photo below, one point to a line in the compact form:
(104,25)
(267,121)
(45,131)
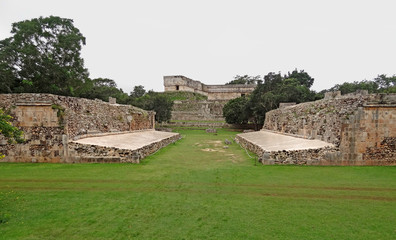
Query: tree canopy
(43,56)
(381,84)
(245,79)
(154,101)
(270,91)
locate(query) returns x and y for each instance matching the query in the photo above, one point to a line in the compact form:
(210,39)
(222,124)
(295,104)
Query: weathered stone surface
(190,110)
(127,147)
(50,121)
(273,148)
(214,92)
(362,127)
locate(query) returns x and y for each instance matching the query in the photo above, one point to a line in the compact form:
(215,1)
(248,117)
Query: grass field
(196,189)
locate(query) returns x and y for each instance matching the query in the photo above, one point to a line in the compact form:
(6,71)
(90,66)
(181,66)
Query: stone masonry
(209,110)
(213,92)
(198,110)
(361,126)
(50,122)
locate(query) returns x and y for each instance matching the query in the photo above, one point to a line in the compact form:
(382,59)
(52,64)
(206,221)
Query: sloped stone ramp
(126,147)
(276,148)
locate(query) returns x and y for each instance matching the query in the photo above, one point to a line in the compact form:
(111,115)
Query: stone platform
(271,141)
(126,147)
(276,148)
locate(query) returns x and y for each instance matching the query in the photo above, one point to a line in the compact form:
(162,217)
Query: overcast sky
(139,42)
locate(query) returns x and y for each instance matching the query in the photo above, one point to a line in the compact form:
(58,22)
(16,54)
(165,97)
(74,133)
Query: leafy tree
(7,79)
(274,89)
(386,84)
(43,56)
(380,84)
(302,77)
(102,88)
(347,87)
(235,111)
(245,79)
(138,91)
(291,90)
(158,102)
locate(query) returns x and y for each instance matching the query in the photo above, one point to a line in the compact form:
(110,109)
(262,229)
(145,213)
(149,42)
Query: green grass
(196,189)
(180,96)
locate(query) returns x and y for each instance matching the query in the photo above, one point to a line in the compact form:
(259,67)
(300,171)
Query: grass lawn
(196,189)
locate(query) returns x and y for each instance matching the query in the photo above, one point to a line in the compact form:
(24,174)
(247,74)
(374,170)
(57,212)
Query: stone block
(211,130)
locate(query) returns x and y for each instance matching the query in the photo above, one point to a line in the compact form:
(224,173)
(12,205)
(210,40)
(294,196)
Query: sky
(139,42)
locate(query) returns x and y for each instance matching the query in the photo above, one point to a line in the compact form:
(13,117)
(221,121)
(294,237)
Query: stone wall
(50,121)
(369,135)
(182,83)
(361,126)
(213,92)
(189,110)
(228,92)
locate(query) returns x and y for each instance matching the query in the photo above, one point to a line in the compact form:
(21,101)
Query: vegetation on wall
(11,133)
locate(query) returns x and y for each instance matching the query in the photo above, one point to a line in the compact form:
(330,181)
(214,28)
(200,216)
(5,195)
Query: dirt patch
(212,150)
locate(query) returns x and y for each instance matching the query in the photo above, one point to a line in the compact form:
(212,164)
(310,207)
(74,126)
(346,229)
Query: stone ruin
(361,126)
(208,110)
(213,92)
(51,122)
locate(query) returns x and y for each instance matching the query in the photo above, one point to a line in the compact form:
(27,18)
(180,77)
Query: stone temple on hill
(213,92)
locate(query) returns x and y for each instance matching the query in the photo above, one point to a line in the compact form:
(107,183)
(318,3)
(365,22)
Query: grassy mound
(180,96)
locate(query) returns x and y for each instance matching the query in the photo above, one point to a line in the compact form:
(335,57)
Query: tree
(102,88)
(386,84)
(267,95)
(158,102)
(347,87)
(235,111)
(138,91)
(245,79)
(302,77)
(43,56)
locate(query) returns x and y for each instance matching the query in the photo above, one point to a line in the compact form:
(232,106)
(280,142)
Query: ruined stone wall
(228,92)
(198,110)
(214,92)
(322,119)
(181,83)
(361,126)
(369,136)
(50,121)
